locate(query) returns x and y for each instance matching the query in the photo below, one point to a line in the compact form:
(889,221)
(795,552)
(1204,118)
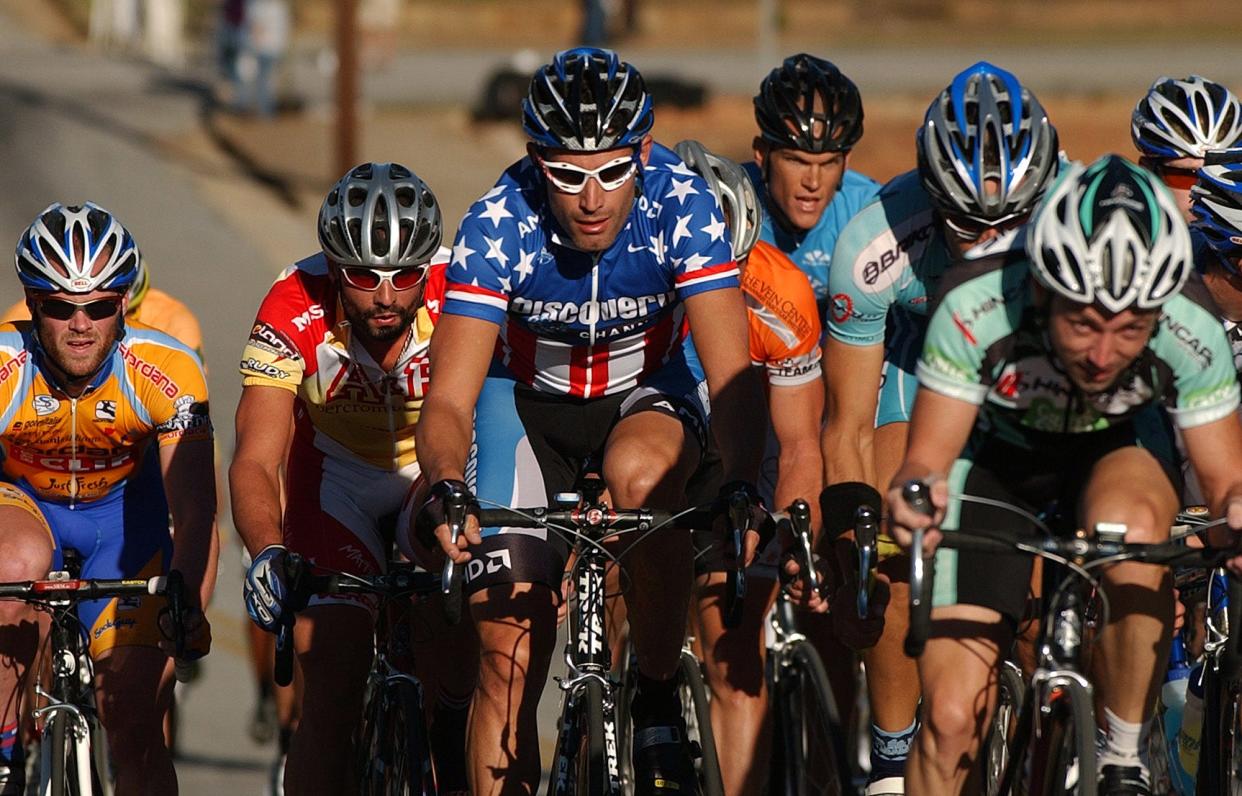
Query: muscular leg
(1129,486)
(516,627)
(133,696)
(958,677)
(446,661)
(733,660)
(647,461)
(334,650)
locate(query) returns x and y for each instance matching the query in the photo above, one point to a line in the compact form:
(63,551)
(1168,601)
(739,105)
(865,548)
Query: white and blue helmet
(587,100)
(986,127)
(1216,202)
(77,249)
(1186,117)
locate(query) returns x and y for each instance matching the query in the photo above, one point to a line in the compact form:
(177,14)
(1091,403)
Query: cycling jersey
(1204,255)
(812,250)
(986,345)
(73,450)
(589,324)
(347,405)
(783,320)
(158,310)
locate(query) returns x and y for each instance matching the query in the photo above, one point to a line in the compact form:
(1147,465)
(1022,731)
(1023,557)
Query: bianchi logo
(45,404)
(106,411)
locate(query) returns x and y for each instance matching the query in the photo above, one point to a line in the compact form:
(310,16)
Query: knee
(25,556)
(950,726)
(1146,519)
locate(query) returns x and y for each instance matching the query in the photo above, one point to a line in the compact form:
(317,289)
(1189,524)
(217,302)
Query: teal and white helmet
(1110,234)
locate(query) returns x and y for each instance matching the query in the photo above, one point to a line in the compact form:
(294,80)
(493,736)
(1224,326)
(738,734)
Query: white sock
(1123,742)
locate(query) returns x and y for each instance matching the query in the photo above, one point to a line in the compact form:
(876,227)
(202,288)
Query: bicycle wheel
(810,740)
(585,763)
(1063,760)
(1012,694)
(698,715)
(1220,757)
(60,763)
(393,742)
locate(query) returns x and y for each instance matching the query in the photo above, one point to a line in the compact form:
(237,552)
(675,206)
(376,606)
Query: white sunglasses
(573,179)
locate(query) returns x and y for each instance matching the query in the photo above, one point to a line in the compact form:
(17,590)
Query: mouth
(591,226)
(80,345)
(385,319)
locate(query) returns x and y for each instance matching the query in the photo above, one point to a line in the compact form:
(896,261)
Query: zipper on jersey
(595,258)
(73,452)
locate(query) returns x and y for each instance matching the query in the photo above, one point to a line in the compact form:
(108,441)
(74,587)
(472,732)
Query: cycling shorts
(340,512)
(1052,475)
(124,534)
(530,445)
(903,343)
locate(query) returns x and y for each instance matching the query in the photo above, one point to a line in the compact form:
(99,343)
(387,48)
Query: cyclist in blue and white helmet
(986,151)
(1216,236)
(1177,122)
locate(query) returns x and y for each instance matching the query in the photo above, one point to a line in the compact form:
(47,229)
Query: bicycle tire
(57,756)
(810,740)
(1220,754)
(698,714)
(996,756)
(394,757)
(581,766)
(1066,744)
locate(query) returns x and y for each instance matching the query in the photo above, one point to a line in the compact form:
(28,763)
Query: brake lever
(866,529)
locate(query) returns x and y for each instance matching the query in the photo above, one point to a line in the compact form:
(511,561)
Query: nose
(384,294)
(79,322)
(592,197)
(811,176)
(1101,352)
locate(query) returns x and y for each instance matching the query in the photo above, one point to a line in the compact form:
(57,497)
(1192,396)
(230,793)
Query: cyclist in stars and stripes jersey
(571,289)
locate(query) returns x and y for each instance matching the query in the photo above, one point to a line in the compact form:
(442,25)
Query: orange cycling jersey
(70,450)
(347,404)
(784,321)
(157,310)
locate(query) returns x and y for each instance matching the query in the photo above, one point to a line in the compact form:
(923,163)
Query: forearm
(257,515)
(800,476)
(196,553)
(848,451)
(737,404)
(443,441)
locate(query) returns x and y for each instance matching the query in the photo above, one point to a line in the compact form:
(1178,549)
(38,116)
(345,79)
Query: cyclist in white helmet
(334,373)
(1038,383)
(1177,122)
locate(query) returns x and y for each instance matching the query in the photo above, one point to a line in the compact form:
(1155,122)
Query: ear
(644,149)
(845,161)
(761,149)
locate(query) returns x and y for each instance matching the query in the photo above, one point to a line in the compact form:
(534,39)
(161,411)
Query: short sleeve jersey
(301,342)
(589,324)
(892,254)
(812,250)
(986,345)
(784,322)
(67,449)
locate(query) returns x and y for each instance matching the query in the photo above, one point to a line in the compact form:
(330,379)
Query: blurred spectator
(162,24)
(230,33)
(114,23)
(594,23)
(378,19)
(264,41)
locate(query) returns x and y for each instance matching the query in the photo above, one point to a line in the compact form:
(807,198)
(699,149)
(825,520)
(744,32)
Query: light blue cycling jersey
(889,257)
(812,251)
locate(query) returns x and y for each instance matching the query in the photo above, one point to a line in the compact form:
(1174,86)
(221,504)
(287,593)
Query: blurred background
(212,128)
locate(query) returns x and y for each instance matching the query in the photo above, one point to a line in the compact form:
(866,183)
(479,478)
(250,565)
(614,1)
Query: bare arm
(1215,450)
(852,378)
(263,434)
(461,352)
(189,473)
(718,321)
(796,411)
(939,428)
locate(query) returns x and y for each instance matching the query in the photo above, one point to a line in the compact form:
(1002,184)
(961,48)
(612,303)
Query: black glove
(433,514)
(764,525)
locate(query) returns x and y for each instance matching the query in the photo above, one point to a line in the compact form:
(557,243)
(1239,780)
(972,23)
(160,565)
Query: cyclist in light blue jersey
(810,116)
(986,153)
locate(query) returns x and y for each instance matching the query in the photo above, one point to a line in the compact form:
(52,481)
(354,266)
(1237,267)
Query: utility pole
(346,86)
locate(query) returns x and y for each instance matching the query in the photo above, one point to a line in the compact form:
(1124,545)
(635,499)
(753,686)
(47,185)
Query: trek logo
(313,313)
(590,312)
(590,638)
(45,404)
(105,411)
(496,561)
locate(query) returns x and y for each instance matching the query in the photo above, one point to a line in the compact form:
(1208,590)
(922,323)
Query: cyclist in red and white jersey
(338,353)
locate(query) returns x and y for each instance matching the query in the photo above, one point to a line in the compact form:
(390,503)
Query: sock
(889,751)
(12,753)
(655,701)
(1122,742)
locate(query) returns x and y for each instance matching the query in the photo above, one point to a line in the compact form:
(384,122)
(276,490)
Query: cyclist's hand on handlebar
(431,525)
(265,590)
(904,518)
(761,525)
(1233,519)
(859,634)
(197,634)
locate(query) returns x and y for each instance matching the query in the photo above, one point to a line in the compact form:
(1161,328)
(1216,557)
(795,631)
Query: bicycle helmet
(807,104)
(1110,234)
(587,100)
(986,127)
(1184,118)
(1216,202)
(734,192)
(138,290)
(380,215)
(77,249)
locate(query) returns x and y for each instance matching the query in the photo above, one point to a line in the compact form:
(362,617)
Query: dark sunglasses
(61,310)
(1172,176)
(363,278)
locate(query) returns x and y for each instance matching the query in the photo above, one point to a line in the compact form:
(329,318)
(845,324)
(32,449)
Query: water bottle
(1188,737)
(1173,697)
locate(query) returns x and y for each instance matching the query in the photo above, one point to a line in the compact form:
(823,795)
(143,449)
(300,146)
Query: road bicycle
(1051,747)
(73,757)
(392,744)
(587,761)
(809,740)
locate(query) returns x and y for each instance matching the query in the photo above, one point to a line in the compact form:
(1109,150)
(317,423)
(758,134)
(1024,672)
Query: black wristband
(839,502)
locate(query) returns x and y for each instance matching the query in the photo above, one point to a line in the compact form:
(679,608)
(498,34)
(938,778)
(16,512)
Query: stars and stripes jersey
(589,324)
(347,405)
(812,250)
(64,449)
(783,319)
